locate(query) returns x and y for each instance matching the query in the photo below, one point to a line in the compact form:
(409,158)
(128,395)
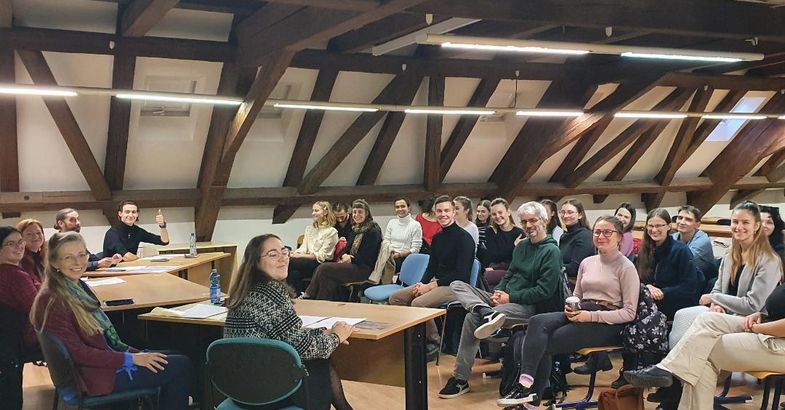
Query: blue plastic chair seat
(382,292)
(91,401)
(230,404)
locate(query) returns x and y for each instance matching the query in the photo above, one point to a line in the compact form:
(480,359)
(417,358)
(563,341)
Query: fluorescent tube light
(683,57)
(651,115)
(184,98)
(781,117)
(732,116)
(513,49)
(448,111)
(326,107)
(411,38)
(35,90)
(549,113)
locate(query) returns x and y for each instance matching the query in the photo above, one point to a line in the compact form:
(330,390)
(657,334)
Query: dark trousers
(552,333)
(174,380)
(329,278)
(300,269)
(11,386)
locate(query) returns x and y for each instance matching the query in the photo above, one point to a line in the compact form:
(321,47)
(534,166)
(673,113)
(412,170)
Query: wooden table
(150,290)
(226,266)
(391,353)
(196,269)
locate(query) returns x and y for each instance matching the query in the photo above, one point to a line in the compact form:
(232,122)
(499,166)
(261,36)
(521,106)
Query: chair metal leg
(723,397)
(777,392)
(55,400)
(441,337)
(586,401)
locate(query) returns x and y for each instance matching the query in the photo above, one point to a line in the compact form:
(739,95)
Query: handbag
(623,398)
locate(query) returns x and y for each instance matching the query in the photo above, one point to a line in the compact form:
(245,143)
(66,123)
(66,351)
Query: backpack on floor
(623,398)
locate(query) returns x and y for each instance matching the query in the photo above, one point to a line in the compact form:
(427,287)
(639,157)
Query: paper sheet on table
(103,282)
(309,320)
(164,255)
(143,269)
(203,310)
(330,321)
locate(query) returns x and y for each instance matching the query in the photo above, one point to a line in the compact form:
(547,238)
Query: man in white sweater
(403,234)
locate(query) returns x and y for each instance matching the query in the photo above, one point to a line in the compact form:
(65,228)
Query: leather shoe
(619,382)
(651,376)
(596,363)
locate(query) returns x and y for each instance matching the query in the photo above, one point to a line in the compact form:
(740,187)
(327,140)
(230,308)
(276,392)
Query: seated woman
(500,241)
(626,214)
(430,226)
(576,243)
(35,250)
(260,305)
(362,249)
(773,227)
(463,217)
(483,219)
(608,287)
(318,246)
(17,292)
(554,226)
(665,266)
(403,235)
(124,238)
(67,309)
(720,342)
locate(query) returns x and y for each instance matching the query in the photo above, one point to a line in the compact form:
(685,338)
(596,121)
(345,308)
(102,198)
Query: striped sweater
(267,312)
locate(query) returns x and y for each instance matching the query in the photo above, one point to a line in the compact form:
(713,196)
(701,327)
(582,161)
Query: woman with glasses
(35,251)
(665,266)
(67,309)
(356,264)
(608,287)
(318,246)
(260,305)
(576,243)
(17,292)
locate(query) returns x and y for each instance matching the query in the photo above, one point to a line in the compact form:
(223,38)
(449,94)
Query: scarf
(88,299)
(359,231)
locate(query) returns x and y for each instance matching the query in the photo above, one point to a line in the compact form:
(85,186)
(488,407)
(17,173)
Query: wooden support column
(64,120)
(433,135)
(9,155)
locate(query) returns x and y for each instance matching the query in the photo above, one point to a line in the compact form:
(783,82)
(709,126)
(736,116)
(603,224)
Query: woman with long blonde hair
(318,246)
(67,309)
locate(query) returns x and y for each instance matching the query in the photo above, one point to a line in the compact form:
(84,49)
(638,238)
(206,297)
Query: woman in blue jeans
(608,287)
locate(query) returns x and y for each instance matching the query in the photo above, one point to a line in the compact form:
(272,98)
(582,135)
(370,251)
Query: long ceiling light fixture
(304,105)
(175,97)
(650,115)
(448,111)
(734,116)
(548,113)
(556,47)
(14,89)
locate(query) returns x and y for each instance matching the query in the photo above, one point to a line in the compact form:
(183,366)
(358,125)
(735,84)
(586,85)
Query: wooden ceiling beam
(722,82)
(64,119)
(378,32)
(309,129)
(773,169)
(309,27)
(741,154)
(141,15)
(355,133)
(9,155)
(349,5)
(433,135)
(6,13)
(466,123)
(673,101)
(701,18)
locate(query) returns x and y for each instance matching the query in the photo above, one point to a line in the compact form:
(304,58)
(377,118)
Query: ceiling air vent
(171,85)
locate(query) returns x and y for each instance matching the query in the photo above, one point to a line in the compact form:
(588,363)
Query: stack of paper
(102,282)
(198,311)
(317,322)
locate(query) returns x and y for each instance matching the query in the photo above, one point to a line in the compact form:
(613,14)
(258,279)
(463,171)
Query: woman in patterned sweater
(260,305)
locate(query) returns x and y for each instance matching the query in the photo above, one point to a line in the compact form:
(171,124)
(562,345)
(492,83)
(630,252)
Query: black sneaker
(518,396)
(596,363)
(619,382)
(651,376)
(454,388)
(493,322)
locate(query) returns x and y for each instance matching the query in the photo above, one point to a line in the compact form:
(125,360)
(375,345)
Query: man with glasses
(532,285)
(67,220)
(688,222)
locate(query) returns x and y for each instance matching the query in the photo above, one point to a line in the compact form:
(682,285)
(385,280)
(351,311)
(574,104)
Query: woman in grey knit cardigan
(260,305)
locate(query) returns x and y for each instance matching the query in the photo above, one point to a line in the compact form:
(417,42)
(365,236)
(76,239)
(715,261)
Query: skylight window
(726,129)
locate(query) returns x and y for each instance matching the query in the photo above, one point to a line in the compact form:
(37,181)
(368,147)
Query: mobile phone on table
(119,302)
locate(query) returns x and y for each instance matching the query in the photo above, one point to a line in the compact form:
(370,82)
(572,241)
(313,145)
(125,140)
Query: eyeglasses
(657,226)
(606,233)
(531,221)
(275,254)
(71,259)
(15,244)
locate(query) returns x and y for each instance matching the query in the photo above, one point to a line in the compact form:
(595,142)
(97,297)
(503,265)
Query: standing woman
(495,258)
(772,227)
(608,287)
(554,228)
(260,306)
(626,214)
(318,246)
(463,217)
(665,266)
(430,225)
(17,339)
(483,219)
(356,264)
(576,243)
(67,309)
(35,249)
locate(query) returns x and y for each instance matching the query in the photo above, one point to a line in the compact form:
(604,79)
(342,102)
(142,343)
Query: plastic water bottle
(215,287)
(192,245)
